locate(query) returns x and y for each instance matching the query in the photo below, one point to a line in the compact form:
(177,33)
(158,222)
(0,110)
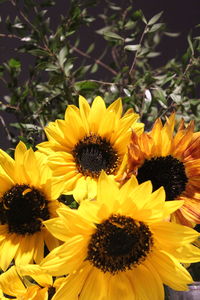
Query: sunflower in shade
(88,140)
(113,245)
(28,196)
(28,283)
(172,161)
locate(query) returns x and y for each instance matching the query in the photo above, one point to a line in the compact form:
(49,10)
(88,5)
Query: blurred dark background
(179,16)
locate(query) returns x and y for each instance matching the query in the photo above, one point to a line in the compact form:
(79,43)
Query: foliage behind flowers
(63,64)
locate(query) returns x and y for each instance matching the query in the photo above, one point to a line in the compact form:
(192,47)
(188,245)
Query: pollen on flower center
(119,243)
(22,208)
(93,154)
(165,171)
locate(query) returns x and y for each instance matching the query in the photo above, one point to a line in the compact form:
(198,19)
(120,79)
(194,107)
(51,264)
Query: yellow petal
(120,287)
(73,284)
(8,250)
(98,109)
(107,190)
(66,258)
(146,273)
(170,270)
(36,273)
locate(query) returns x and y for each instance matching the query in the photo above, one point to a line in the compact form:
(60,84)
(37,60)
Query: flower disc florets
(119,243)
(166,171)
(23,208)
(93,154)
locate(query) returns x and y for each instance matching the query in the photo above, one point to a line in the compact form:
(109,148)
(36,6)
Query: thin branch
(6,128)
(11,36)
(4,81)
(115,58)
(100,82)
(99,62)
(135,57)
(23,15)
(189,65)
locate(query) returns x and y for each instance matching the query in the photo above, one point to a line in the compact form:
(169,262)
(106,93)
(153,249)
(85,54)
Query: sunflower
(172,161)
(27,197)
(28,283)
(89,140)
(113,245)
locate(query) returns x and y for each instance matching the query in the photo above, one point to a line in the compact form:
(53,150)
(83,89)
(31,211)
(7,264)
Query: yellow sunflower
(88,140)
(114,245)
(28,283)
(172,161)
(27,197)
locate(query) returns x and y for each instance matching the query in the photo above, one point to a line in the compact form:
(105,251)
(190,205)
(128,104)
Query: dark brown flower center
(166,171)
(93,154)
(119,243)
(23,208)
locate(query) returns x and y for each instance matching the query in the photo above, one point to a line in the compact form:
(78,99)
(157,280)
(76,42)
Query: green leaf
(114,88)
(48,3)
(144,19)
(74,205)
(155,27)
(18,25)
(14,63)
(153,54)
(94,68)
(67,67)
(70,33)
(82,71)
(103,30)
(87,85)
(155,18)
(190,44)
(132,47)
(115,7)
(160,95)
(51,67)
(62,56)
(90,48)
(113,35)
(38,52)
(176,98)
(172,34)
(27,126)
(129,25)
(127,92)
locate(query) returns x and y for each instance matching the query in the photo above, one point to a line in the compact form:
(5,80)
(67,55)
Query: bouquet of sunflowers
(101,210)
(102,203)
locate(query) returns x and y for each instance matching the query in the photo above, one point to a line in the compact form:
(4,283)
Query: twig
(135,57)
(11,36)
(99,81)
(23,15)
(99,62)
(5,128)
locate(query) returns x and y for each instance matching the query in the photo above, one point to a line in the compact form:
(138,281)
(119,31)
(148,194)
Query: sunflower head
(90,139)
(119,241)
(170,159)
(23,208)
(28,196)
